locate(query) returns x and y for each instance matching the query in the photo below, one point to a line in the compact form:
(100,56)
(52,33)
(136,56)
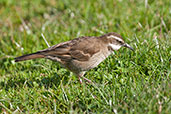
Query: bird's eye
(120,41)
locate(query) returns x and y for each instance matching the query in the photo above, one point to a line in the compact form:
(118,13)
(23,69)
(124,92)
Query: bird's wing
(79,49)
(85,49)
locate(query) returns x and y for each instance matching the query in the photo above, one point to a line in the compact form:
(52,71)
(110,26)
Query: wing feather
(80,49)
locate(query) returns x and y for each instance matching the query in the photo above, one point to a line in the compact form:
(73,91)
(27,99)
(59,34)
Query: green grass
(127,82)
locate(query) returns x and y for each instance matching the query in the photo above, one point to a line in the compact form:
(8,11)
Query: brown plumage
(80,54)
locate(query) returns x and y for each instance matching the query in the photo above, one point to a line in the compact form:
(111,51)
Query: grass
(127,82)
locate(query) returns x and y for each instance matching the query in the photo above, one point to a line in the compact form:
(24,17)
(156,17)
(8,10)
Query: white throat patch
(115,47)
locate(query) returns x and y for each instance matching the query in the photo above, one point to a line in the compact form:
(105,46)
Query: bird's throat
(115,47)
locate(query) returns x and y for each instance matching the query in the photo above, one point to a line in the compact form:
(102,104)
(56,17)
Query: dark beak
(128,46)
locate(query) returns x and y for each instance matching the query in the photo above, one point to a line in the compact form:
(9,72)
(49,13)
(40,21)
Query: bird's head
(115,41)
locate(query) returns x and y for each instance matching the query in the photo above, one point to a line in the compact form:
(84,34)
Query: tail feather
(29,56)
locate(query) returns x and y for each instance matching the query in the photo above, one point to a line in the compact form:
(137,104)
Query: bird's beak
(128,46)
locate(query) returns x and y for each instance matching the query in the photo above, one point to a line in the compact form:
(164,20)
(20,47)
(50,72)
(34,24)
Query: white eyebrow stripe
(115,38)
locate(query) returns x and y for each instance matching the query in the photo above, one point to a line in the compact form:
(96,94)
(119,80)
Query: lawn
(126,82)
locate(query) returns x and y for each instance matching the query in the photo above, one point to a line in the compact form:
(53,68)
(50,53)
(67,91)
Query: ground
(126,82)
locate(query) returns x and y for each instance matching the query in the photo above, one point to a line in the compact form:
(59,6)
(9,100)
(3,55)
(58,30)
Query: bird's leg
(81,75)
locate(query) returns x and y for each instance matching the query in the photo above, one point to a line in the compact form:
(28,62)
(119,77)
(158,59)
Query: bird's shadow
(47,82)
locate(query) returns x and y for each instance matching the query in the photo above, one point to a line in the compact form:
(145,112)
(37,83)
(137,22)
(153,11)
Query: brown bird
(81,54)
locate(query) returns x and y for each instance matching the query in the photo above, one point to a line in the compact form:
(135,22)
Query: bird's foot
(87,80)
(80,80)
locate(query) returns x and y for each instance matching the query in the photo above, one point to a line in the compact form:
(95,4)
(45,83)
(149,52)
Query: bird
(81,54)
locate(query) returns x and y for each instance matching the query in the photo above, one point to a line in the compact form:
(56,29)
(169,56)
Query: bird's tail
(29,56)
